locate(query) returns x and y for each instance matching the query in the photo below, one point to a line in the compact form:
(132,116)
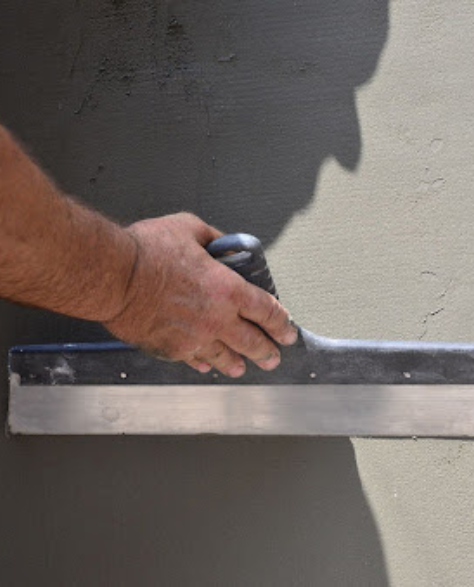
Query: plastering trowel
(322,387)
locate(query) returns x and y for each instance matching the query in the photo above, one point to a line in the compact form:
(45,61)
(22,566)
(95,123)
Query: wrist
(117,268)
(104,256)
(127,278)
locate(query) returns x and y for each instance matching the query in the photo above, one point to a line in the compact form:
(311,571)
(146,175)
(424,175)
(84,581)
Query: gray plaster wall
(341,133)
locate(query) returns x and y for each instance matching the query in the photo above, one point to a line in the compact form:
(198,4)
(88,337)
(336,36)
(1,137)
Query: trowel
(323,386)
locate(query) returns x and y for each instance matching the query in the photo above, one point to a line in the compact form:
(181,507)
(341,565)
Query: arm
(55,253)
(151,284)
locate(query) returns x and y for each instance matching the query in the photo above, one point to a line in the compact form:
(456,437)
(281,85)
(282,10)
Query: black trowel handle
(244,254)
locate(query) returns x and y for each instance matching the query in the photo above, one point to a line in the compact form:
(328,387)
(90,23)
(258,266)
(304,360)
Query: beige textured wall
(387,252)
(340,132)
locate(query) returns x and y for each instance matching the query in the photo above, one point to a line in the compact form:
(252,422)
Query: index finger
(263,309)
(204,233)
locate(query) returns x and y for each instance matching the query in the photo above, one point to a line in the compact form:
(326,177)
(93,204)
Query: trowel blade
(322,387)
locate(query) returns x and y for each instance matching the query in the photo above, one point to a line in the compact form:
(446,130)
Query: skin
(151,284)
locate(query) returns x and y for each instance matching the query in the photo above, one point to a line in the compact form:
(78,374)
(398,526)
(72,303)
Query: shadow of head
(284,101)
(236,104)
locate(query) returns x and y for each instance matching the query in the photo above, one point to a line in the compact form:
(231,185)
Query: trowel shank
(313,359)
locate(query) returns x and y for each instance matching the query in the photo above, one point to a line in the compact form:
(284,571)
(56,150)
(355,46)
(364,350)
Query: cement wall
(342,134)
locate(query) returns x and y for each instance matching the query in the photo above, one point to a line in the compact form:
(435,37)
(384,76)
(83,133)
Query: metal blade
(323,387)
(334,410)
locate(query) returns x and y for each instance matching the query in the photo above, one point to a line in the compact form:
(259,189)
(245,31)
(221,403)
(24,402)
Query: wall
(340,132)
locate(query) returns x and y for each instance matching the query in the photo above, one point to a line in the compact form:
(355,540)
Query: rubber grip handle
(244,254)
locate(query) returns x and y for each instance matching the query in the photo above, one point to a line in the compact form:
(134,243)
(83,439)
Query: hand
(181,304)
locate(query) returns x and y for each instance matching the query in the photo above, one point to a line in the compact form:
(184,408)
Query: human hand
(181,304)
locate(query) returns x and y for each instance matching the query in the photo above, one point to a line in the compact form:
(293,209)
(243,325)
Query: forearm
(55,253)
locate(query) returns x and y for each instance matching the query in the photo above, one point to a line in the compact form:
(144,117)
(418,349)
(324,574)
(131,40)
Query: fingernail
(237,370)
(204,367)
(271,363)
(290,338)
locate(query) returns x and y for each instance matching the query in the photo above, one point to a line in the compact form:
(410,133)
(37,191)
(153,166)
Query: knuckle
(274,312)
(187,348)
(244,297)
(252,342)
(221,286)
(177,350)
(197,225)
(217,352)
(187,216)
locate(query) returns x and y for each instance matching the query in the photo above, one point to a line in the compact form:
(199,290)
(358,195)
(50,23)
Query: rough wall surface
(341,133)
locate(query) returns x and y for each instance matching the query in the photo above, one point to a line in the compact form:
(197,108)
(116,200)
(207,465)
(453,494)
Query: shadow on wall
(275,86)
(185,512)
(228,109)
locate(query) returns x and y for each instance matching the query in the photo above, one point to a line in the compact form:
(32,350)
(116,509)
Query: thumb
(203,233)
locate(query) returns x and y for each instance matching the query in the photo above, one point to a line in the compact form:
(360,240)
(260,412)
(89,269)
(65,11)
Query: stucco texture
(341,133)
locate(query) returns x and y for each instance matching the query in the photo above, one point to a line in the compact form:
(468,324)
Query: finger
(200,366)
(248,340)
(204,233)
(225,360)
(265,310)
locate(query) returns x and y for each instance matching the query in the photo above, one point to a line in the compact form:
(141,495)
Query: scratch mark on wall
(77,52)
(440,306)
(432,273)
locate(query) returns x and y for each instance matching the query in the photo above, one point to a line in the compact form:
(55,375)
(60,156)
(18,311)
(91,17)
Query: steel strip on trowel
(333,410)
